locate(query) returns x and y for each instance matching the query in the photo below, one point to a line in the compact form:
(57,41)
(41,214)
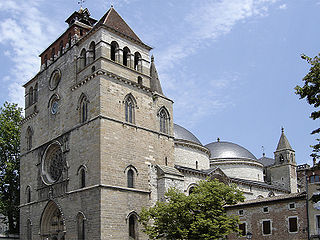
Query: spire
(155,82)
(283,142)
(114,21)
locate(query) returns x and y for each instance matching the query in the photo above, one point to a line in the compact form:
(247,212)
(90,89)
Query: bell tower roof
(155,82)
(113,20)
(283,142)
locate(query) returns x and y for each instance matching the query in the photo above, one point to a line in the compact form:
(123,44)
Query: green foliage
(200,215)
(10,117)
(311,91)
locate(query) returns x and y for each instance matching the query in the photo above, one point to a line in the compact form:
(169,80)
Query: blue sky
(229,65)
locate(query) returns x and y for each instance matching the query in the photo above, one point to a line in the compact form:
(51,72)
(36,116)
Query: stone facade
(98,141)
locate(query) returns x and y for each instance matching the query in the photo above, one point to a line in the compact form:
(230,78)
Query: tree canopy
(311,91)
(201,215)
(10,118)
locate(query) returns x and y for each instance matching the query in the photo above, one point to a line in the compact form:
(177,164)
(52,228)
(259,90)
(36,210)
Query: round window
(52,164)
(54,79)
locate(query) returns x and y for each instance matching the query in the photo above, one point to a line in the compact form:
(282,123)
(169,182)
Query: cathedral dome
(183,134)
(220,150)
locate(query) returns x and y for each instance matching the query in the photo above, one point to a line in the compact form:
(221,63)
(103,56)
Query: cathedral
(99,142)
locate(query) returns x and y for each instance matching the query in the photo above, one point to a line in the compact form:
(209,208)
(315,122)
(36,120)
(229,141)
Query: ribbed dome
(228,150)
(184,134)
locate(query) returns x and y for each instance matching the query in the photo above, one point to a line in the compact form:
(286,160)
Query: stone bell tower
(283,172)
(97,122)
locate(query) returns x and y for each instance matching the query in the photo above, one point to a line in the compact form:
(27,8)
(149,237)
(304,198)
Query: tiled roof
(169,170)
(113,20)
(271,199)
(283,142)
(257,183)
(266,161)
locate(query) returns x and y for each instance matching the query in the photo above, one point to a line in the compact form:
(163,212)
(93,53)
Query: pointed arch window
(28,194)
(81,226)
(129,108)
(133,227)
(29,138)
(164,120)
(83,107)
(114,48)
(130,178)
(29,230)
(126,56)
(281,158)
(82,178)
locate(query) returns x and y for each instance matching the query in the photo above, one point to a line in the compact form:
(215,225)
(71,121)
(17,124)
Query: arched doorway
(52,223)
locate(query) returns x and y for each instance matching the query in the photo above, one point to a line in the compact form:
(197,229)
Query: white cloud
(24,32)
(283,6)
(206,23)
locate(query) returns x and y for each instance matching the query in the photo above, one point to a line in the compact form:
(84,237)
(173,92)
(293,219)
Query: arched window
(52,54)
(69,40)
(29,230)
(129,108)
(126,56)
(61,47)
(92,51)
(281,158)
(30,96)
(28,194)
(114,49)
(29,138)
(81,226)
(130,178)
(133,227)
(164,120)
(191,189)
(35,93)
(137,61)
(82,178)
(83,60)
(83,107)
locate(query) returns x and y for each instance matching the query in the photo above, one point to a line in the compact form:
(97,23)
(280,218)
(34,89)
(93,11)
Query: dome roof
(228,150)
(184,134)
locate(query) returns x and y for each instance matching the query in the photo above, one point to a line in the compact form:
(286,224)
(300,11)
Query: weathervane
(263,153)
(81,2)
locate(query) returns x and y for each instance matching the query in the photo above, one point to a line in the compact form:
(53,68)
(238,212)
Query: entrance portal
(52,223)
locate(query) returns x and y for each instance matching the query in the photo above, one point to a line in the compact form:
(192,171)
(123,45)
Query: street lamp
(249,235)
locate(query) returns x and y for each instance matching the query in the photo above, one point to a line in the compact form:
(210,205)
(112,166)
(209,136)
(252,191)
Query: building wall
(188,156)
(278,214)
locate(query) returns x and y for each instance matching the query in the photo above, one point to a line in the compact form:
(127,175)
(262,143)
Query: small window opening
(114,48)
(140,81)
(46,60)
(81,32)
(28,194)
(166,161)
(240,212)
(242,229)
(266,209)
(61,47)
(126,56)
(93,69)
(292,206)
(293,224)
(130,178)
(132,227)
(137,61)
(191,189)
(197,165)
(266,227)
(129,110)
(52,54)
(83,178)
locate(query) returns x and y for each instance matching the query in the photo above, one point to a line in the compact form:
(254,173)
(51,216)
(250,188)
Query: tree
(201,215)
(311,91)
(10,118)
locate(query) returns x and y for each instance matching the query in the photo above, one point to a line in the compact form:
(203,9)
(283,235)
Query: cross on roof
(81,2)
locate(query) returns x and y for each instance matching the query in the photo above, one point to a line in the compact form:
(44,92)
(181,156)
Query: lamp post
(249,235)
